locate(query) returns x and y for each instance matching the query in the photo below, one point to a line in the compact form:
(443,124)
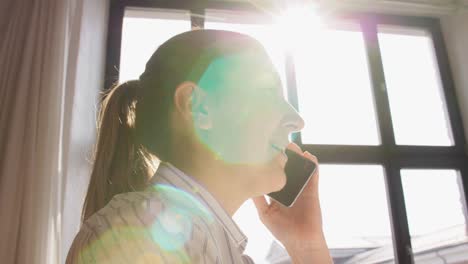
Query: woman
(209,106)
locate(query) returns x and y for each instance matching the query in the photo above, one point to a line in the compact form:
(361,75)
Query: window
(414,87)
(436,213)
(377,97)
(354,210)
(142,33)
(334,88)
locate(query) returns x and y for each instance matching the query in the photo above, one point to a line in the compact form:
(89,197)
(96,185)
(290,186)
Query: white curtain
(51,69)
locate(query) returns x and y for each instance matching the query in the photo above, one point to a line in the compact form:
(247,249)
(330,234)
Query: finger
(311,157)
(313,183)
(294,147)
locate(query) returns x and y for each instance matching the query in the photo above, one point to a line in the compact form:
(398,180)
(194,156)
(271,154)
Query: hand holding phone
(301,224)
(298,172)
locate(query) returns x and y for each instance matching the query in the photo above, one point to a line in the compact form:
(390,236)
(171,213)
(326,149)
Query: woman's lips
(281,155)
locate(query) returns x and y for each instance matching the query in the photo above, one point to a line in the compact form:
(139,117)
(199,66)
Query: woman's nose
(292,121)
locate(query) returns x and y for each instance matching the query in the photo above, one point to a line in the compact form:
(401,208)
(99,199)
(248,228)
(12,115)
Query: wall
(455,30)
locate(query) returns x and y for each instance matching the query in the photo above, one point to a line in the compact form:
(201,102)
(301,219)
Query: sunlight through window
(334,89)
(436,209)
(354,207)
(143,31)
(414,87)
(434,200)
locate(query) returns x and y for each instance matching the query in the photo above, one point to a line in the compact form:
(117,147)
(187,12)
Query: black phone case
(298,171)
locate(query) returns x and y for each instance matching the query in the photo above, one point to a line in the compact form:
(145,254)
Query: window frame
(392,157)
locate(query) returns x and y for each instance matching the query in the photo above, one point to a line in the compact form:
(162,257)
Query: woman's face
(250,119)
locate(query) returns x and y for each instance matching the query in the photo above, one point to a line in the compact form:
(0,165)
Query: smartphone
(298,172)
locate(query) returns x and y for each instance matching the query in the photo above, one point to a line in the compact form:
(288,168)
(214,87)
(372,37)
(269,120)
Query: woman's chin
(277,180)
(272,178)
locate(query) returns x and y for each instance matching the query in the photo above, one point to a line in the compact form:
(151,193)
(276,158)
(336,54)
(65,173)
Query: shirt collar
(170,174)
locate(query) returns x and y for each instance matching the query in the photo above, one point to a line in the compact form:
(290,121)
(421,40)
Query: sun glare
(297,26)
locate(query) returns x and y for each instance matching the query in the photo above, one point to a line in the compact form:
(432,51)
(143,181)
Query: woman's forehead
(239,71)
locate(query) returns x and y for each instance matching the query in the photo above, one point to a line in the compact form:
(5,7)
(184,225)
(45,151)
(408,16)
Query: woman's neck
(224,182)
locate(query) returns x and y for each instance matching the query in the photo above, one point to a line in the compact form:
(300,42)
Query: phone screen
(298,171)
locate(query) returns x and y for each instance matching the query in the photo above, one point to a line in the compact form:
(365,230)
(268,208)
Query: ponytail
(120,164)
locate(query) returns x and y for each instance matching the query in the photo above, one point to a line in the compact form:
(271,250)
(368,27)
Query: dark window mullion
(291,85)
(114,41)
(197,17)
(344,154)
(430,162)
(464,186)
(396,202)
(417,150)
(401,236)
(381,101)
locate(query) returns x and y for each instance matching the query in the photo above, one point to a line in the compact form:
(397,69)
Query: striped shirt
(175,220)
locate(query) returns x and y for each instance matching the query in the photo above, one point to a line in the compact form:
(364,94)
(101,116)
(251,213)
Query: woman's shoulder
(151,221)
(146,208)
(134,208)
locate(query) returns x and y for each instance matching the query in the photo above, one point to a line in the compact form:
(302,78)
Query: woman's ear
(201,114)
(191,102)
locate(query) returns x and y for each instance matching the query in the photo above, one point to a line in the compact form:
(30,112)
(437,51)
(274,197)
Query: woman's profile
(179,150)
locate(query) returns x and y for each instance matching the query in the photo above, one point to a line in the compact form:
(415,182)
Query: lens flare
(299,26)
(173,226)
(135,230)
(240,109)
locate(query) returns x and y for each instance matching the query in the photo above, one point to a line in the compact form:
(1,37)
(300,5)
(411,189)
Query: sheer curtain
(51,54)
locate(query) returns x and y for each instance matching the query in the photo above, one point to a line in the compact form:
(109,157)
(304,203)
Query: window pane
(143,31)
(250,25)
(355,214)
(414,88)
(334,89)
(436,211)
